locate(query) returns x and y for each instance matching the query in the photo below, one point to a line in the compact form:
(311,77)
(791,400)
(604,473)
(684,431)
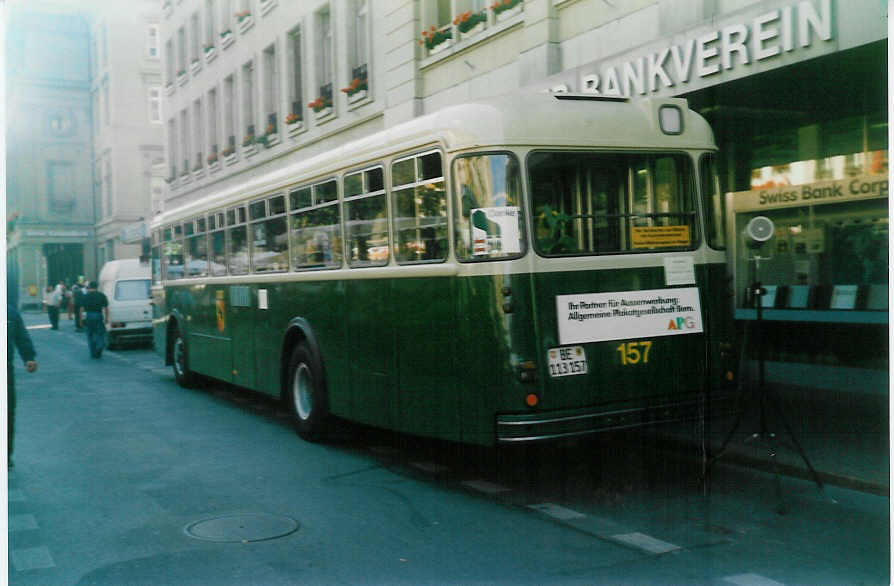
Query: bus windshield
(600,203)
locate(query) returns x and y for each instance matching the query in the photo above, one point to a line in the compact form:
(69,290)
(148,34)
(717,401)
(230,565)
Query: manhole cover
(242,528)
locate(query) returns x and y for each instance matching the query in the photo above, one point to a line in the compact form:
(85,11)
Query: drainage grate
(242,528)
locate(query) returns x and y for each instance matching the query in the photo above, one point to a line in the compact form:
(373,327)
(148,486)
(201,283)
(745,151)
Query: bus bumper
(551,425)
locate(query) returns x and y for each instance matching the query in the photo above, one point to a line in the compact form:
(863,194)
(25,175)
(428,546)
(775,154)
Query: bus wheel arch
(304,383)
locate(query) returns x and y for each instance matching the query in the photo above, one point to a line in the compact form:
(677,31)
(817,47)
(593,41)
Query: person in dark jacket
(17,338)
(96,310)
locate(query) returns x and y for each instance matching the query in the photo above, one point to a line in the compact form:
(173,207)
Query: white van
(126,284)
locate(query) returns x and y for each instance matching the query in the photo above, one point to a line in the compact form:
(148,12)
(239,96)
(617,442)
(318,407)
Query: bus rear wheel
(306,394)
(180,362)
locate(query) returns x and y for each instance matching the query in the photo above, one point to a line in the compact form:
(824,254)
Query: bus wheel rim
(302,393)
(179,357)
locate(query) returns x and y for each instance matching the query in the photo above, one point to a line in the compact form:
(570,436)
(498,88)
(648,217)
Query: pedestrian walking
(96,311)
(69,301)
(52,299)
(17,338)
(77,294)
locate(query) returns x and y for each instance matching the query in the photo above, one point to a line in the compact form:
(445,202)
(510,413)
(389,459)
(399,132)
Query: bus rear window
(488,197)
(599,203)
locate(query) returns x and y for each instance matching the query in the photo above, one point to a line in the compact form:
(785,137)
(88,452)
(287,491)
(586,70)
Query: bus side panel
(241,303)
(483,355)
(268,327)
(369,350)
(425,314)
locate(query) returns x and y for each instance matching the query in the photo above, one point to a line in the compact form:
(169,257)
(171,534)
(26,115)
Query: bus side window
(420,209)
(315,227)
(237,236)
(366,218)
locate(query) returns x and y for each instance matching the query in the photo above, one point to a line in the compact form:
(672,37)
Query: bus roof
(519,119)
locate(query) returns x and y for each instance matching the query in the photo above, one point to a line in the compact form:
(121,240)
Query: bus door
(369,350)
(241,316)
(210,347)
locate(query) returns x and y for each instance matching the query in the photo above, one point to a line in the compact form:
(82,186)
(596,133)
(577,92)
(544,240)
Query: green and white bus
(529,268)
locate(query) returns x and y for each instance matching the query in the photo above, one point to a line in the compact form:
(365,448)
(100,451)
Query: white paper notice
(679,270)
(623,315)
(262,298)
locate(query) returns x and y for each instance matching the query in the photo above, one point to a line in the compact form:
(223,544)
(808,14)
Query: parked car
(126,283)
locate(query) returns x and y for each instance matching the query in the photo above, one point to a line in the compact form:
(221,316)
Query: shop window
(315,227)
(489,217)
(366,218)
(419,203)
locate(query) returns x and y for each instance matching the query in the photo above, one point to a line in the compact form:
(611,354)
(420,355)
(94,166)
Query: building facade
(48,142)
(128,146)
(84,138)
(796,91)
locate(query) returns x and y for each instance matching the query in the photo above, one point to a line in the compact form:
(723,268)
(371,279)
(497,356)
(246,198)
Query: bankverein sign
(836,190)
(708,52)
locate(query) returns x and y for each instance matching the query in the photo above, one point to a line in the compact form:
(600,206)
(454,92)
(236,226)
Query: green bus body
(458,350)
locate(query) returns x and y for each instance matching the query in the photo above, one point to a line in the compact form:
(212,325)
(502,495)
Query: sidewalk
(844,435)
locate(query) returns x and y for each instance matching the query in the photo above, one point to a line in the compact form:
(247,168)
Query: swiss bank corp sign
(745,43)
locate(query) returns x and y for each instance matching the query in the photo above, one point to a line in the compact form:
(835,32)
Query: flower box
(226,38)
(357,96)
(267,6)
(214,167)
(506,9)
(230,158)
(195,66)
(198,173)
(270,140)
(295,128)
(181,78)
(210,53)
(322,113)
(436,39)
(463,35)
(249,150)
(245,21)
(185,179)
(169,88)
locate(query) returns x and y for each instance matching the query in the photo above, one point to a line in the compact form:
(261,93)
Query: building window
(105,45)
(60,175)
(172,148)
(296,92)
(248,102)
(198,138)
(107,185)
(155,105)
(229,114)
(271,90)
(184,141)
(97,181)
(210,24)
(152,41)
(181,51)
(106,108)
(324,57)
(358,48)
(194,31)
(212,126)
(226,16)
(169,60)
(96,111)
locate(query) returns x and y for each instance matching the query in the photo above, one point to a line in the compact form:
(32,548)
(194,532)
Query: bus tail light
(531,400)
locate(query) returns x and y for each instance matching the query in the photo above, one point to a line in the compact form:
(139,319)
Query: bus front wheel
(180,362)
(306,394)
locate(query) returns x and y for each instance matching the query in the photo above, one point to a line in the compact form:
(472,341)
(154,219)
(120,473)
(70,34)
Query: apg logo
(681,323)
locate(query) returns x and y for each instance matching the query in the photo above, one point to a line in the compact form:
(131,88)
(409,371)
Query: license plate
(567,361)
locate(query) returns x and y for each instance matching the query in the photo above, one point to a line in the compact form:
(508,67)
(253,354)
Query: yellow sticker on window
(659,236)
